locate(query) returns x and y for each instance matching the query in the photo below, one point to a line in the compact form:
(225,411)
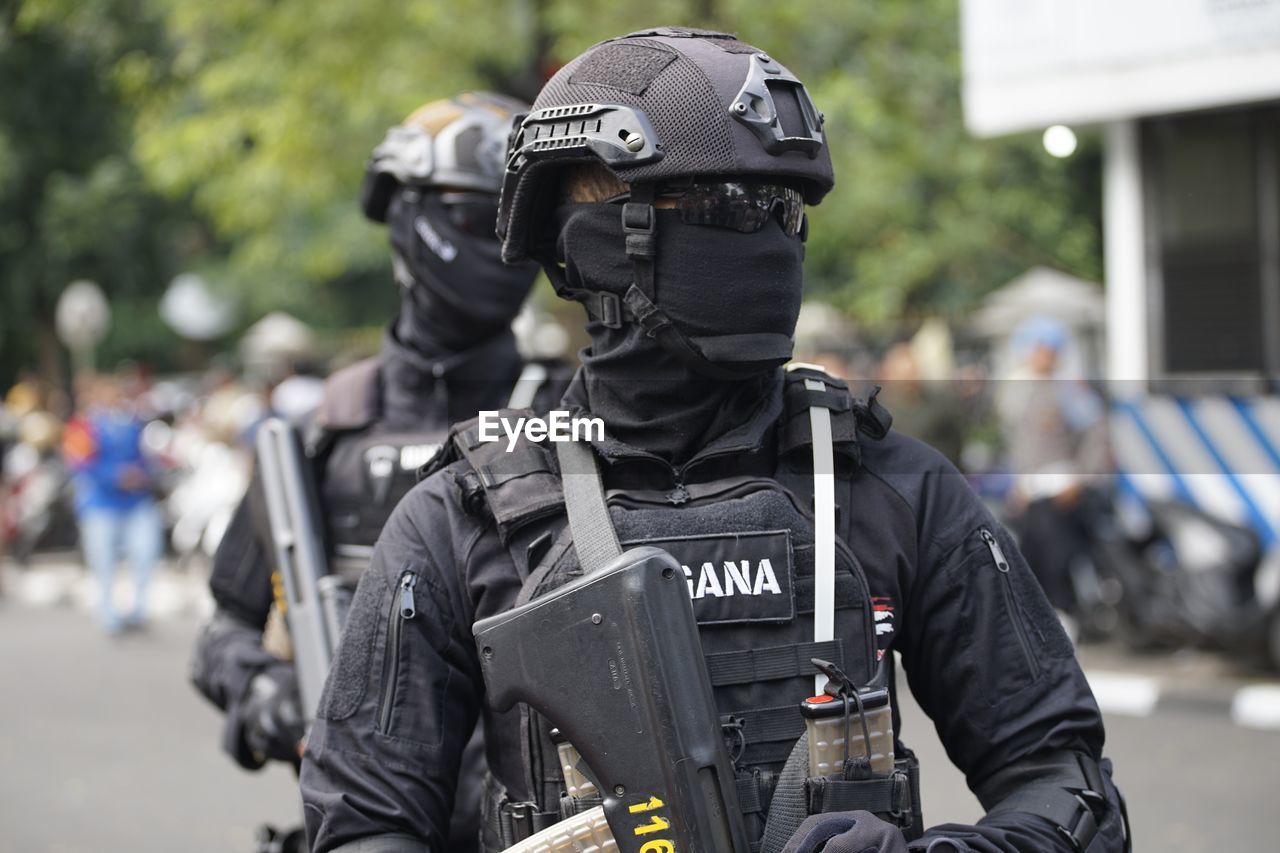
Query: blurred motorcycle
(1191,578)
(1166,576)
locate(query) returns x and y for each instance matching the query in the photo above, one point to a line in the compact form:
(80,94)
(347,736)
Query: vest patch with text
(736,577)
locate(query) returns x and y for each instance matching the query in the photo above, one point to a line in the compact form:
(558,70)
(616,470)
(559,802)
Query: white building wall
(1032,63)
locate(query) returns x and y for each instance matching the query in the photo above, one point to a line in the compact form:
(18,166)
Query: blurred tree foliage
(262,114)
(270,110)
(924,219)
(266,113)
(73,202)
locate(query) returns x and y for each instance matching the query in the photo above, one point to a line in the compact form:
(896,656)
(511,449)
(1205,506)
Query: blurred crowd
(129,465)
(1020,418)
(193,433)
(190,437)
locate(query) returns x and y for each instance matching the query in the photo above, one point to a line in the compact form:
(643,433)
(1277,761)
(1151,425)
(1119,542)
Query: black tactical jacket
(984,654)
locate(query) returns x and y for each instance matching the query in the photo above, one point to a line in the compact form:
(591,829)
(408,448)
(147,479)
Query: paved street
(104,746)
(1194,781)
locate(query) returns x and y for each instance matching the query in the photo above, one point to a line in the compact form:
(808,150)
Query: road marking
(1257,707)
(1130,695)
(44,587)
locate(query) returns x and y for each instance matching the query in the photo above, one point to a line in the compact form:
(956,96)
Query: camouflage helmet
(457,142)
(655,106)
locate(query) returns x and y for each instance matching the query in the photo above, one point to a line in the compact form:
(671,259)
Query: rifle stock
(613,659)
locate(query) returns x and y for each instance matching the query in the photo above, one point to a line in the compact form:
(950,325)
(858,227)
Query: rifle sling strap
(594,538)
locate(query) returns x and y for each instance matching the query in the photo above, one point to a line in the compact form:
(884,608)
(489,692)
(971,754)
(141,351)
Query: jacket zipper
(1011,605)
(406,610)
(679,494)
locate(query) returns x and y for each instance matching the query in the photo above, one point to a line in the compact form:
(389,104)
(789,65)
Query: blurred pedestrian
(1055,432)
(113,482)
(929,411)
(232,408)
(8,432)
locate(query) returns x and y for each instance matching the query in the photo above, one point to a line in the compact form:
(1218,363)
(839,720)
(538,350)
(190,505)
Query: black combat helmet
(456,143)
(655,106)
(434,181)
(718,127)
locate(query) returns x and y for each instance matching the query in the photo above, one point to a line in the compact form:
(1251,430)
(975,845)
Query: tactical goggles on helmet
(742,206)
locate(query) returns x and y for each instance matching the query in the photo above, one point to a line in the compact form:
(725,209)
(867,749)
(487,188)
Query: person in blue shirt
(113,496)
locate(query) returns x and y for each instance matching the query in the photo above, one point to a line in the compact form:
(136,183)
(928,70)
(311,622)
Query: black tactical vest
(746,544)
(365,476)
(363,469)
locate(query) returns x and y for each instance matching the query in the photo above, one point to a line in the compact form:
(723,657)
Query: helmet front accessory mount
(776,107)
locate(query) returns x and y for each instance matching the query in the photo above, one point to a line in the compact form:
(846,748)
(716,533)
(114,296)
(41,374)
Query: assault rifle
(316,600)
(613,660)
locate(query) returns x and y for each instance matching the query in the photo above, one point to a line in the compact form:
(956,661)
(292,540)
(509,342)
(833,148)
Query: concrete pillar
(1125,246)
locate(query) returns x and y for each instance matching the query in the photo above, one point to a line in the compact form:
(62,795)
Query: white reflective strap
(824,533)
(526,388)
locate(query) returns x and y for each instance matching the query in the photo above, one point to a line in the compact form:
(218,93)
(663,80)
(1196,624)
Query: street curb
(172,593)
(1252,706)
(1257,707)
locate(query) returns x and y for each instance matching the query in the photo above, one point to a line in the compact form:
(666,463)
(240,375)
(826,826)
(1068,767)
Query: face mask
(727,291)
(458,293)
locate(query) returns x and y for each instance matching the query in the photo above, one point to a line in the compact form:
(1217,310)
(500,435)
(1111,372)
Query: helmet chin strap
(639,227)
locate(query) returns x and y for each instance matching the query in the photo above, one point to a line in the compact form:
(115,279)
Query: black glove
(272,715)
(846,832)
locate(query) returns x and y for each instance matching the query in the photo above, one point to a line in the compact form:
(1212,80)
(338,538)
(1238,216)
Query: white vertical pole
(1124,239)
(824,528)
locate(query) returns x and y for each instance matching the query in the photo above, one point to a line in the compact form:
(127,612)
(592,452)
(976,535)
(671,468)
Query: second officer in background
(448,353)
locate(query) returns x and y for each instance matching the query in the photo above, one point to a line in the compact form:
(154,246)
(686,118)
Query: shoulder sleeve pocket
(1006,612)
(415,674)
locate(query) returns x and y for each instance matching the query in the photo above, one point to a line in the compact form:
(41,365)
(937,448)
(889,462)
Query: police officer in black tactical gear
(448,354)
(661,180)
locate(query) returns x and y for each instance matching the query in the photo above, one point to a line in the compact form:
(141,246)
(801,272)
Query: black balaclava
(457,292)
(430,393)
(450,351)
(711,282)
